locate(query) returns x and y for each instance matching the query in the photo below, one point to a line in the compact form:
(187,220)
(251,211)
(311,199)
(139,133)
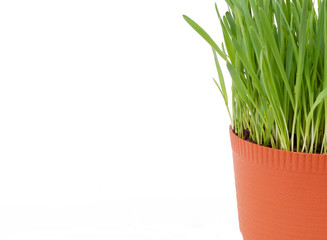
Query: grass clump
(276,54)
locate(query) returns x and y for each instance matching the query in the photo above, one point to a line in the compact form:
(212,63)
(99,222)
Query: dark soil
(246,136)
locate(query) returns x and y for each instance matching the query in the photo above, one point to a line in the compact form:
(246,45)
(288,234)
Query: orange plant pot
(281,195)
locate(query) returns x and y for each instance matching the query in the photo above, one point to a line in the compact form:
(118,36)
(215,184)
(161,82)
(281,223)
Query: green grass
(276,54)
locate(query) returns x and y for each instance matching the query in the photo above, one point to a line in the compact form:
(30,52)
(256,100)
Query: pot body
(281,195)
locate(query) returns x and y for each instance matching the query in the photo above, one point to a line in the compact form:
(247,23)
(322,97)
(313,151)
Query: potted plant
(276,54)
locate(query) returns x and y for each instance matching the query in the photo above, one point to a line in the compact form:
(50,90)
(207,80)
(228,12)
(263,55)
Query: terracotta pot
(281,195)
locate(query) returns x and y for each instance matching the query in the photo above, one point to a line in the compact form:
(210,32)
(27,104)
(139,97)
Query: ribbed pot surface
(281,195)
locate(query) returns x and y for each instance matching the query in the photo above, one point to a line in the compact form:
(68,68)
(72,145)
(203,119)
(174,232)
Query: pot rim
(264,148)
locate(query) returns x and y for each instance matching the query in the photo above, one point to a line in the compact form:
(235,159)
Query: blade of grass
(205,36)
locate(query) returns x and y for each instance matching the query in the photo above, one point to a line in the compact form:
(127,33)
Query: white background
(110,124)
